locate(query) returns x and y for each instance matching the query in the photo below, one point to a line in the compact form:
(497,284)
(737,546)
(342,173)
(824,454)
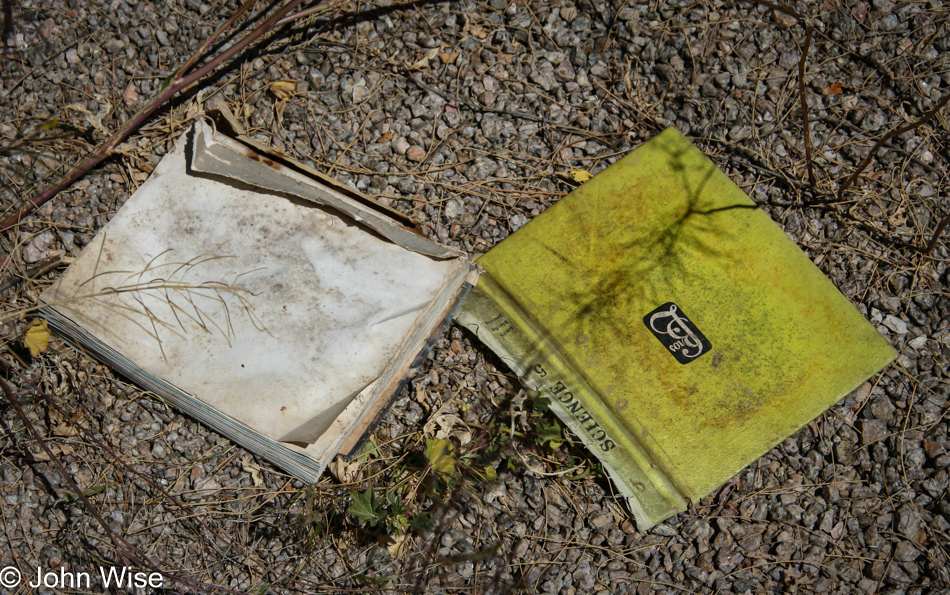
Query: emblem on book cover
(670,325)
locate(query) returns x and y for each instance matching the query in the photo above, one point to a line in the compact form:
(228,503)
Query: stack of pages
(257,299)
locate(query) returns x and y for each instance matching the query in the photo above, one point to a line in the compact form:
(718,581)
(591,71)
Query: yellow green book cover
(674,326)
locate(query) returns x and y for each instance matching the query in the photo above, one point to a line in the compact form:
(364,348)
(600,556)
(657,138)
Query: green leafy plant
(548,430)
(367,508)
(405,492)
(549,433)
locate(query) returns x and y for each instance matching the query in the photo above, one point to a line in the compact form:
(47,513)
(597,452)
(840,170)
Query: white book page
(271,310)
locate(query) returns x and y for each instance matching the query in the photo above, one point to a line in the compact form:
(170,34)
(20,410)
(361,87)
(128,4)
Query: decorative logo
(676,332)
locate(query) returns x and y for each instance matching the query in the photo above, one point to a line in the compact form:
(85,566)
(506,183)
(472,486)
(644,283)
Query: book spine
(498,321)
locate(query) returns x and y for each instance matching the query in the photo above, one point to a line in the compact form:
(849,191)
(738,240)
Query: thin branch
(34,272)
(179,82)
(933,241)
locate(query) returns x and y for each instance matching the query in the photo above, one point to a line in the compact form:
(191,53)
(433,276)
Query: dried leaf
(197,104)
(474,30)
(283,90)
(399,546)
(345,471)
(254,470)
(580,175)
(478,31)
(447,425)
(64,430)
(55,417)
(422,398)
(40,456)
(576,175)
(833,89)
(423,62)
(36,338)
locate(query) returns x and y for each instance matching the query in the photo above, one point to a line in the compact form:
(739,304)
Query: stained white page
(271,310)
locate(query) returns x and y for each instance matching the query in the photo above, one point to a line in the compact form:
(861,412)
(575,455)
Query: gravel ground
(466,116)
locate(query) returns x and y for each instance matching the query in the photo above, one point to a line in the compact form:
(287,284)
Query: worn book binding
(674,327)
(265,302)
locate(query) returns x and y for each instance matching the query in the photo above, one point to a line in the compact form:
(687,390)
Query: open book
(674,327)
(271,305)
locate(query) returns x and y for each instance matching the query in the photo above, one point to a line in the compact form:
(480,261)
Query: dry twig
(178,82)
